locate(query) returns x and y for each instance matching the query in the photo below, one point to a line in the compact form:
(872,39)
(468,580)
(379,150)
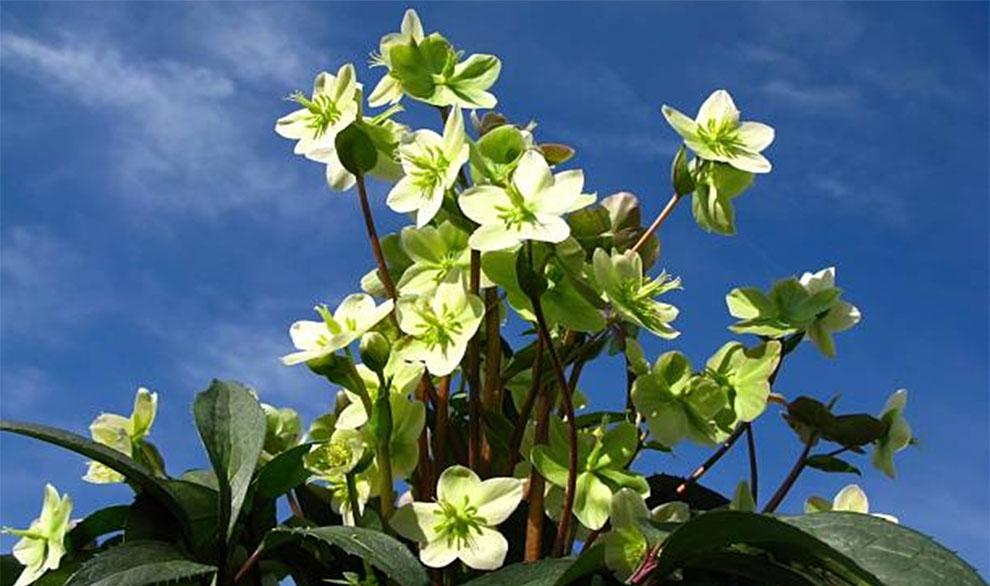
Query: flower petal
(485,550)
(481,203)
(719,108)
(749,162)
(405,196)
(457,485)
(416,522)
(851,498)
(547,228)
(683,125)
(306,334)
(497,498)
(532,176)
(755,135)
(494,237)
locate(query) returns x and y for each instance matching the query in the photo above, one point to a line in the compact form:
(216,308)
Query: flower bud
(374,351)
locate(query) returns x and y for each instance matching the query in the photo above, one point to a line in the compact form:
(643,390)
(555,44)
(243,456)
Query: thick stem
(491,394)
(565,393)
(667,209)
(792,476)
(442,420)
(248,564)
(424,472)
(527,406)
(753,468)
(376,245)
(534,520)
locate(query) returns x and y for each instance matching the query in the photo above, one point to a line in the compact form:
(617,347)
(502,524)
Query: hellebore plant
(455,379)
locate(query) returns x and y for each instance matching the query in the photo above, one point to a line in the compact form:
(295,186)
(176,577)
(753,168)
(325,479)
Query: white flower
(530,208)
(716,134)
(389,88)
(355,315)
(461,523)
(331,108)
(440,326)
(42,545)
(898,434)
(840,316)
(850,499)
(121,433)
(431,163)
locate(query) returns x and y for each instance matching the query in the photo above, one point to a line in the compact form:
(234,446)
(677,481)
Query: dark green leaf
(758,568)
(378,549)
(855,430)
(827,463)
(10,569)
(282,473)
(97,524)
(356,150)
(140,563)
(680,175)
(546,572)
(232,426)
(663,489)
(718,530)
(893,553)
(135,472)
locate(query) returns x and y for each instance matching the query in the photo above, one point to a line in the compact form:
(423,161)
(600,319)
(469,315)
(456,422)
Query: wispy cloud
(181,137)
(871,201)
(812,96)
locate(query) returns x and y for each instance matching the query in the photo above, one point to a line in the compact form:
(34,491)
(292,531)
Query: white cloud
(835,97)
(869,201)
(181,137)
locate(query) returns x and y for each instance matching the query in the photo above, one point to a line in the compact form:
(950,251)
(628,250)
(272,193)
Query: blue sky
(155,230)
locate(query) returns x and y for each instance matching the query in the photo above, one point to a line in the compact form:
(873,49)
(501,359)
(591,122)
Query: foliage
(472,332)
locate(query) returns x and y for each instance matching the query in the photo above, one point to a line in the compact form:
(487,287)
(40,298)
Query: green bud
(374,350)
(283,428)
(356,150)
(381,417)
(680,175)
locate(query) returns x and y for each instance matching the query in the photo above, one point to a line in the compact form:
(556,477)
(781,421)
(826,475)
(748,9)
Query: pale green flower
(851,499)
(431,163)
(810,304)
(42,545)
(632,294)
(355,315)
(603,456)
(121,434)
(438,254)
(283,428)
(744,375)
(742,498)
(337,456)
(625,543)
(439,326)
(677,405)
(404,376)
(332,106)
(461,523)
(340,501)
(429,69)
(897,437)
(530,208)
(716,134)
(839,316)
(389,88)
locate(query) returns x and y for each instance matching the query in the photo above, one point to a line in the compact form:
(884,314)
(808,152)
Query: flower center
(323,112)
(330,456)
(720,137)
(458,523)
(440,330)
(431,170)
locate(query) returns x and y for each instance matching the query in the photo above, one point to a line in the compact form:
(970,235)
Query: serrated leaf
(718,530)
(378,549)
(97,524)
(140,563)
(135,472)
(232,426)
(893,553)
